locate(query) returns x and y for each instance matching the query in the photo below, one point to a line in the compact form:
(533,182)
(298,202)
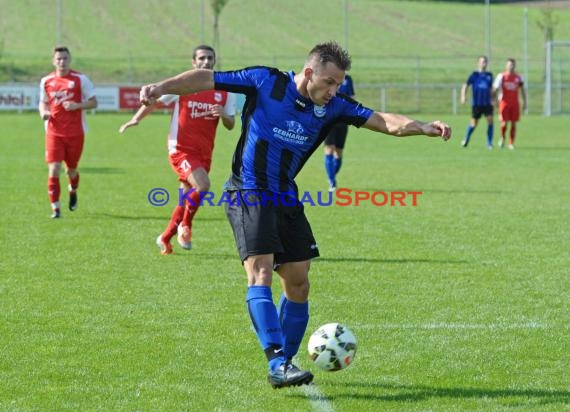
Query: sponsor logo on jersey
(200,110)
(320,111)
(294,126)
(60,96)
(293,134)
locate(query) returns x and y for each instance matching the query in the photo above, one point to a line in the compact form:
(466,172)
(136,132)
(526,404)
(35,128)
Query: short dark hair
(331,52)
(513,61)
(61,49)
(203,47)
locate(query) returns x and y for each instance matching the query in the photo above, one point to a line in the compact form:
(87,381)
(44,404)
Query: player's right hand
(147,95)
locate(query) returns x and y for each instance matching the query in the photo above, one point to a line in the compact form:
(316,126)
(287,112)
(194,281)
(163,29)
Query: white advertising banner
(107,98)
(19,97)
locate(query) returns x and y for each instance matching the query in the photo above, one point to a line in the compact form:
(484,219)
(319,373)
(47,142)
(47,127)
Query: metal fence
(409,98)
(445,98)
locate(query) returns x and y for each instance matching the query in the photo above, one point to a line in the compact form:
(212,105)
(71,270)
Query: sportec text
(341,197)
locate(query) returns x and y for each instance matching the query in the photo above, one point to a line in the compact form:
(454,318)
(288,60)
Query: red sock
(53,189)
(172,227)
(74,182)
(503,131)
(513,133)
(190,210)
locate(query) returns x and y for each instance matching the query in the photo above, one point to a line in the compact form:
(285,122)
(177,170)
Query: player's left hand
(437,129)
(217,110)
(70,106)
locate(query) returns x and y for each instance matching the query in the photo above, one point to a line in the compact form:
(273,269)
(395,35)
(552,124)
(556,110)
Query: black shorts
(478,111)
(337,135)
(265,224)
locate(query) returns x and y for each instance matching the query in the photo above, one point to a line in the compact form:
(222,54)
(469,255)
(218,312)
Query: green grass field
(126,41)
(459,303)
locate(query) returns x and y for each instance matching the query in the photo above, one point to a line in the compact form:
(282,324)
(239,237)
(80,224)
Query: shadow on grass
(369,260)
(102,170)
(418,393)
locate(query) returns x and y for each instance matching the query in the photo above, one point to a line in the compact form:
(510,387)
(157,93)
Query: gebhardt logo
(294,127)
(290,136)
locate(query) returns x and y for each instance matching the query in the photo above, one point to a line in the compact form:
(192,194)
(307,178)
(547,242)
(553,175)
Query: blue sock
(490,135)
(337,164)
(469,133)
(329,168)
(294,318)
(266,323)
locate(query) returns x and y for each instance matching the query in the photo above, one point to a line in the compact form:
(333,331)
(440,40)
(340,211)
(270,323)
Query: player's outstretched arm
(400,125)
(191,81)
(138,116)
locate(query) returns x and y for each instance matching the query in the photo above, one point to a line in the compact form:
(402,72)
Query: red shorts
(184,163)
(64,149)
(508,112)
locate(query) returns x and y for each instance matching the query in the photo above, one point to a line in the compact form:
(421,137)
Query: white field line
(458,326)
(319,400)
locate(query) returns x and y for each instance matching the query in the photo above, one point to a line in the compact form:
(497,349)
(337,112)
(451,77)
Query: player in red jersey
(64,95)
(190,145)
(507,86)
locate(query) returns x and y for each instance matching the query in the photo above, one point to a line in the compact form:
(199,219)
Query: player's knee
(200,182)
(303,290)
(54,169)
(72,173)
(259,270)
(297,291)
(203,187)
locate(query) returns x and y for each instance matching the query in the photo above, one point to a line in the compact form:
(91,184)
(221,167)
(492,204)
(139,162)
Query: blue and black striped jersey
(481,84)
(280,127)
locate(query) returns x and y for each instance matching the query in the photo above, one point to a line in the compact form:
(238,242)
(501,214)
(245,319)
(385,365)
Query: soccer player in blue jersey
(334,142)
(482,100)
(285,118)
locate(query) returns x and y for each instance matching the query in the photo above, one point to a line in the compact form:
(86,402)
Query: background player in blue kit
(285,118)
(334,142)
(481,82)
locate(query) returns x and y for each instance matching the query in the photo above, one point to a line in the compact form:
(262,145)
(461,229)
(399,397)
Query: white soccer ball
(332,347)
